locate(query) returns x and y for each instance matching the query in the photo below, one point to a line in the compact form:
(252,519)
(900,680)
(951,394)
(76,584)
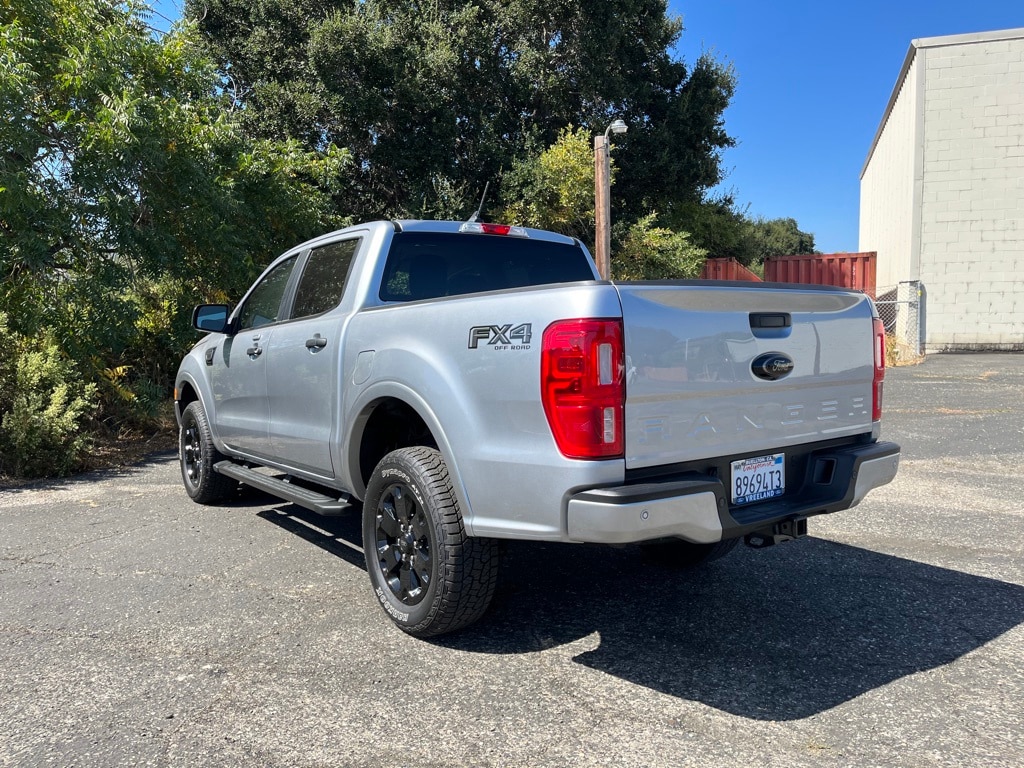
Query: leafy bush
(128,193)
(555,189)
(44,407)
(655,253)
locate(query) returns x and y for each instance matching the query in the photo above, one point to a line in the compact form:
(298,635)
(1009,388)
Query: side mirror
(210,318)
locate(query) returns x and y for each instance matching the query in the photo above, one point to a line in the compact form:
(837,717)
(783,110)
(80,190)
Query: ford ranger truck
(457,384)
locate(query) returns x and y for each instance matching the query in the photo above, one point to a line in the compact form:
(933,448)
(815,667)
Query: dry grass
(111,451)
(898,353)
(129,448)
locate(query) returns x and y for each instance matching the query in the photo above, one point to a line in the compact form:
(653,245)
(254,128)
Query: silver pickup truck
(464,383)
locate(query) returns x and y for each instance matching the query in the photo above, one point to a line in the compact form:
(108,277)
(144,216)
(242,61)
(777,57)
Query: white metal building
(942,192)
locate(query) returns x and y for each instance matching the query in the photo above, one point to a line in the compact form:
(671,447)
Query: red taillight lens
(481,228)
(495,229)
(876,399)
(582,387)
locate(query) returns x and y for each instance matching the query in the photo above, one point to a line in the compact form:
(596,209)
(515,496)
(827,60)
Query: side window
(264,304)
(323,279)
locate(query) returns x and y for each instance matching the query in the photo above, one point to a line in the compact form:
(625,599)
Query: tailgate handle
(770,320)
(771,325)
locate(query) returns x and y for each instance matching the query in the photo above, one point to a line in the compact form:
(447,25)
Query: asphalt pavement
(140,629)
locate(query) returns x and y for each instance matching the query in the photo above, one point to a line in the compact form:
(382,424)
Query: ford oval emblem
(772,366)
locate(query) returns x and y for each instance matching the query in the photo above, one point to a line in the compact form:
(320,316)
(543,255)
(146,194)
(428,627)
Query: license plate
(759,478)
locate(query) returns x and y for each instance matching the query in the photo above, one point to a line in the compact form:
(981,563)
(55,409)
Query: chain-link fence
(900,310)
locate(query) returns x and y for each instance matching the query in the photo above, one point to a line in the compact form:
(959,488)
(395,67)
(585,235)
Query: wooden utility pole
(602,207)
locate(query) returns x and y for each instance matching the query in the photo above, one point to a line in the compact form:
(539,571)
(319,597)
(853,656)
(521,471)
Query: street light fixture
(602,198)
(617,127)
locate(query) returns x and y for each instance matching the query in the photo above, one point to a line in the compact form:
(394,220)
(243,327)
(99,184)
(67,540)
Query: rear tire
(677,553)
(197,455)
(428,575)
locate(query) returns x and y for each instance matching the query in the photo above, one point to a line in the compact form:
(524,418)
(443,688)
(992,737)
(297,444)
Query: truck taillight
(582,386)
(876,399)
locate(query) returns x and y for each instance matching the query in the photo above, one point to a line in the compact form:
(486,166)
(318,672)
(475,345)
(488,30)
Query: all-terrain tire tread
(212,486)
(467,574)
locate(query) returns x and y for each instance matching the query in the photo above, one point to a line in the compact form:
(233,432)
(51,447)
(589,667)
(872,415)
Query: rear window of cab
(429,265)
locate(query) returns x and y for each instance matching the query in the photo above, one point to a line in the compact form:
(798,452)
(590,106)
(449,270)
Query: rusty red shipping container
(845,270)
(727,269)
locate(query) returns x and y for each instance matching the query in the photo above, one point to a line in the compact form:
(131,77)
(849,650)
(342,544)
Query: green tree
(779,237)
(451,94)
(555,190)
(723,230)
(122,166)
(716,226)
(648,252)
(128,192)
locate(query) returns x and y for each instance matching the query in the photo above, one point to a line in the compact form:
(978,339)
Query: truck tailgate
(691,352)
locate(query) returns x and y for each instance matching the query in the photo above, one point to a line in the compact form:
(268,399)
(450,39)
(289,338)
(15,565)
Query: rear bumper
(696,507)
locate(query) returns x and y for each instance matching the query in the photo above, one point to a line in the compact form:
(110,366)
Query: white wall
(972,223)
(887,189)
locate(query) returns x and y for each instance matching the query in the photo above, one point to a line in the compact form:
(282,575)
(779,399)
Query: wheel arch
(186,392)
(189,390)
(389,417)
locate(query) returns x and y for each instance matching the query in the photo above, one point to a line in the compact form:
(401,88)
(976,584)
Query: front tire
(197,455)
(428,575)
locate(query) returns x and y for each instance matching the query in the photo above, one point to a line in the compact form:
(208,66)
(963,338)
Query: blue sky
(813,80)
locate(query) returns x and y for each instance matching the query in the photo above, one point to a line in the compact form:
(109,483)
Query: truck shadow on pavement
(779,634)
(342,536)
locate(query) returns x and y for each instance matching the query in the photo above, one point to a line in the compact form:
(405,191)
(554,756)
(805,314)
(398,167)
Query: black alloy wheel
(404,544)
(191,453)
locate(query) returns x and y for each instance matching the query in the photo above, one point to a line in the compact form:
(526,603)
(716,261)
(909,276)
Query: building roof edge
(907,61)
(970,37)
(932,42)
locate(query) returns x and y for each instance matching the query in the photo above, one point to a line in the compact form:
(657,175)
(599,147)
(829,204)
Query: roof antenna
(483,197)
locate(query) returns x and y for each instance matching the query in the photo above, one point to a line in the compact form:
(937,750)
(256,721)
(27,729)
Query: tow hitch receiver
(787,530)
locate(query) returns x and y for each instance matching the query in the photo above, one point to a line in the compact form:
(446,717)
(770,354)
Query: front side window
(264,303)
(323,278)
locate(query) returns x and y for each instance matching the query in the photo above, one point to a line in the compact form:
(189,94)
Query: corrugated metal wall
(727,269)
(846,270)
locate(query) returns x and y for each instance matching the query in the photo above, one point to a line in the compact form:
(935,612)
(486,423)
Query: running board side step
(318,502)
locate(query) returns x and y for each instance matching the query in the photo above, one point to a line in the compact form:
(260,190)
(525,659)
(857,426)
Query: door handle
(317,342)
(254,352)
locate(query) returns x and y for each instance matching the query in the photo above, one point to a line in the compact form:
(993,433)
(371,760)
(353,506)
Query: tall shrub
(43,407)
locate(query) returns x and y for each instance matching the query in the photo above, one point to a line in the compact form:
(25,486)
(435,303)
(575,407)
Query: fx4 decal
(501,336)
